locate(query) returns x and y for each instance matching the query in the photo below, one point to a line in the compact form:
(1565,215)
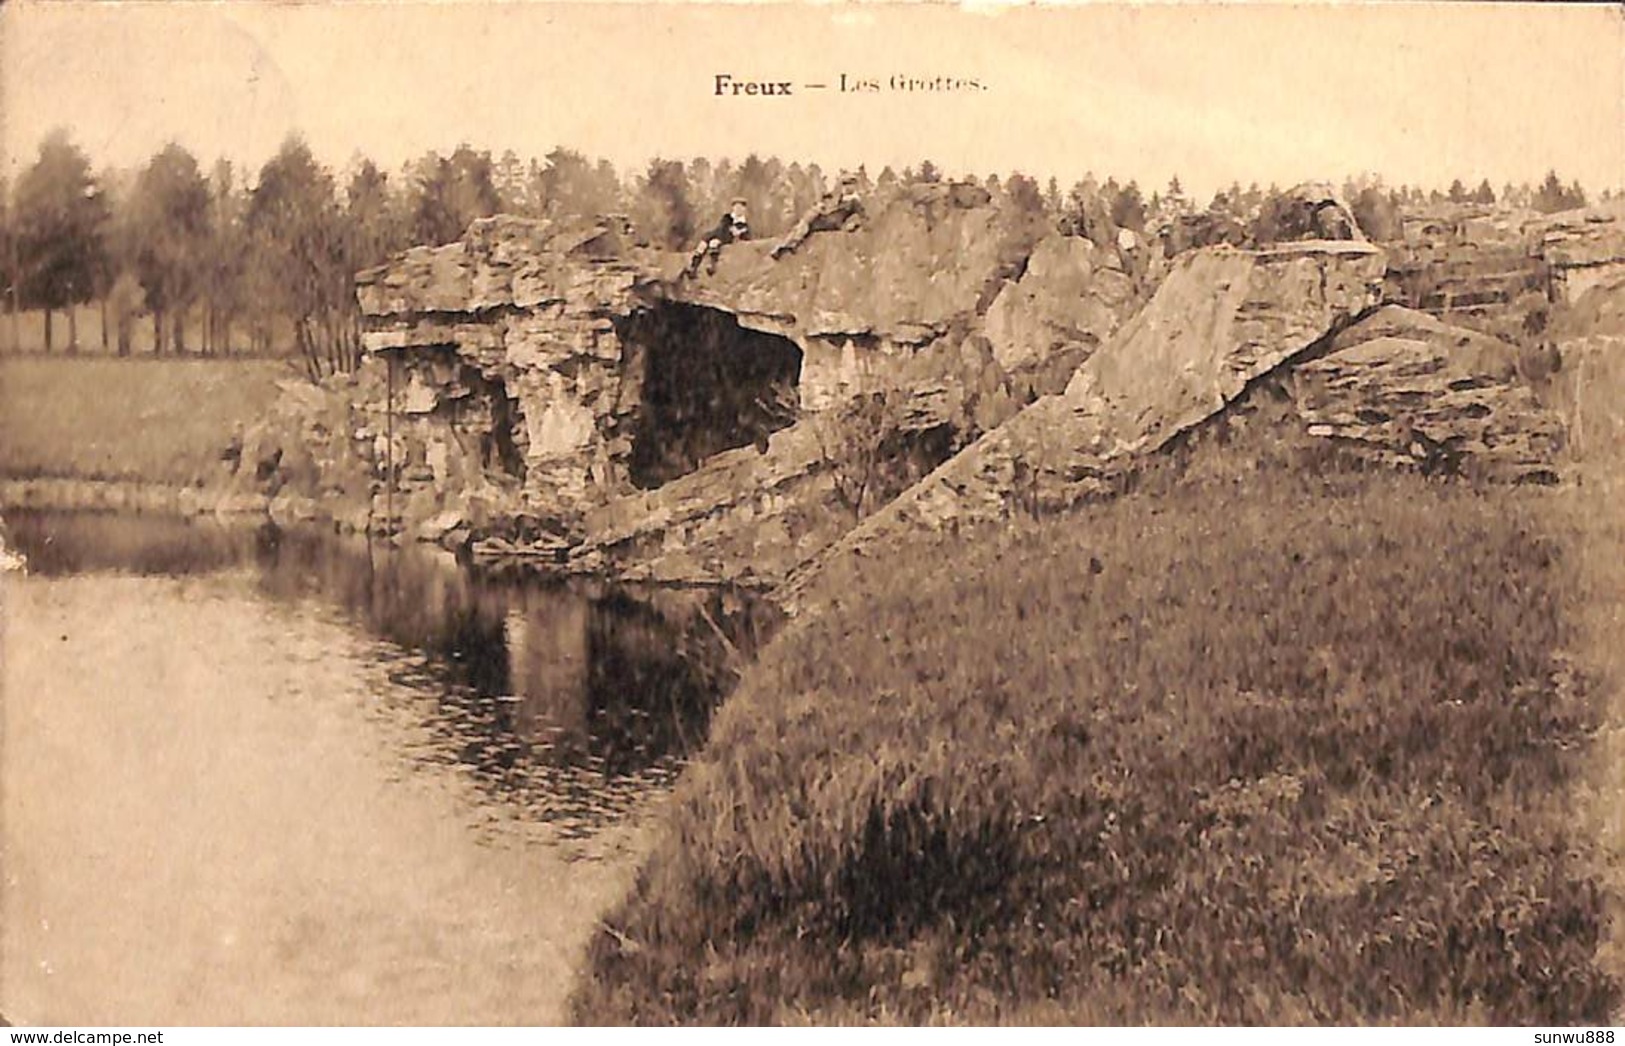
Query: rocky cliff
(1403,388)
(563,394)
(579,369)
(929,263)
(506,344)
(1584,248)
(1490,268)
(1389,384)
(1222,318)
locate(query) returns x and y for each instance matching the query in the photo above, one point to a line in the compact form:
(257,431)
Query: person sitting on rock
(735,225)
(1332,221)
(840,208)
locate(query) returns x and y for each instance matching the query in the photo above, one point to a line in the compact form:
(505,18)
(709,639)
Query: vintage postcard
(528,513)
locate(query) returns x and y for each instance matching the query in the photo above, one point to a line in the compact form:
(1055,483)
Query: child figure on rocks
(841,208)
(735,225)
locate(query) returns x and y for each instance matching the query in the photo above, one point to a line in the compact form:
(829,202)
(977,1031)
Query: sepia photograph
(520,513)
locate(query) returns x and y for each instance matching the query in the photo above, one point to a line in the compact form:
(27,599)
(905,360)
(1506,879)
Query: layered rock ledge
(563,394)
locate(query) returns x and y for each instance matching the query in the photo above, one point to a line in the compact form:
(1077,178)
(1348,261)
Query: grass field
(1299,749)
(158,420)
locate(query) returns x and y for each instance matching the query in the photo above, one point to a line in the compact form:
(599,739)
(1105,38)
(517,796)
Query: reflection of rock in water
(624,681)
(535,681)
(566,703)
(547,663)
(648,690)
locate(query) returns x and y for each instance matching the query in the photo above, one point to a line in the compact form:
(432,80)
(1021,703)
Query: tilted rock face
(912,266)
(1583,248)
(744,517)
(1406,389)
(1222,318)
(1071,296)
(1590,389)
(548,316)
(1394,385)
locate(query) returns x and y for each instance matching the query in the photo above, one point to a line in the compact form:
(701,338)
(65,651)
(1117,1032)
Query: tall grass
(1275,751)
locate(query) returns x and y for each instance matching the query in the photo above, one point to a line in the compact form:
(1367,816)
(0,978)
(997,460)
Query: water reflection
(568,702)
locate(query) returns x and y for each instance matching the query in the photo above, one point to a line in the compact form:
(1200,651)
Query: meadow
(1266,741)
(158,420)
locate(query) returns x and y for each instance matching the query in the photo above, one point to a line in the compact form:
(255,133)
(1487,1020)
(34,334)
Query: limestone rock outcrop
(606,413)
(1584,249)
(921,267)
(1070,296)
(1406,389)
(525,312)
(1221,319)
(1589,338)
(554,356)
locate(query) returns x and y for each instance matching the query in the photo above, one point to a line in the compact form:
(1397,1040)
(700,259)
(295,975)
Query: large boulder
(1222,318)
(918,262)
(1310,211)
(1589,337)
(1583,248)
(1404,388)
(1070,297)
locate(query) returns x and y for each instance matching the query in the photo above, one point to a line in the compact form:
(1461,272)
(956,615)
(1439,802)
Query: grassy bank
(1283,751)
(157,420)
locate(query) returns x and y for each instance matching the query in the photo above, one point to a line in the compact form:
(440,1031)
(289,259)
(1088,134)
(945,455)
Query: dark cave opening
(709,385)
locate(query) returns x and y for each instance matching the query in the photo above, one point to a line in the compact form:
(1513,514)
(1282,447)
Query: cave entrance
(709,385)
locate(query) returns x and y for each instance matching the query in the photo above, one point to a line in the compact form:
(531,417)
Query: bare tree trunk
(124,323)
(47,330)
(73,327)
(16,320)
(355,339)
(307,348)
(180,330)
(157,332)
(104,323)
(335,361)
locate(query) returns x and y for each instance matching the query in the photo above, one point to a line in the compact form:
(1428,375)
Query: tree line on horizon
(270,261)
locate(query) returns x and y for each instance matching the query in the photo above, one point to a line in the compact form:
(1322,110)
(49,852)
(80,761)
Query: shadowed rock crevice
(709,385)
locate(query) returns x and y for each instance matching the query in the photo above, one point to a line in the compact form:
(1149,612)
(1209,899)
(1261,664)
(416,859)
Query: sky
(1417,93)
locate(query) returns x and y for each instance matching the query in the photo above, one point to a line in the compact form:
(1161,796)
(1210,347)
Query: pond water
(263,776)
